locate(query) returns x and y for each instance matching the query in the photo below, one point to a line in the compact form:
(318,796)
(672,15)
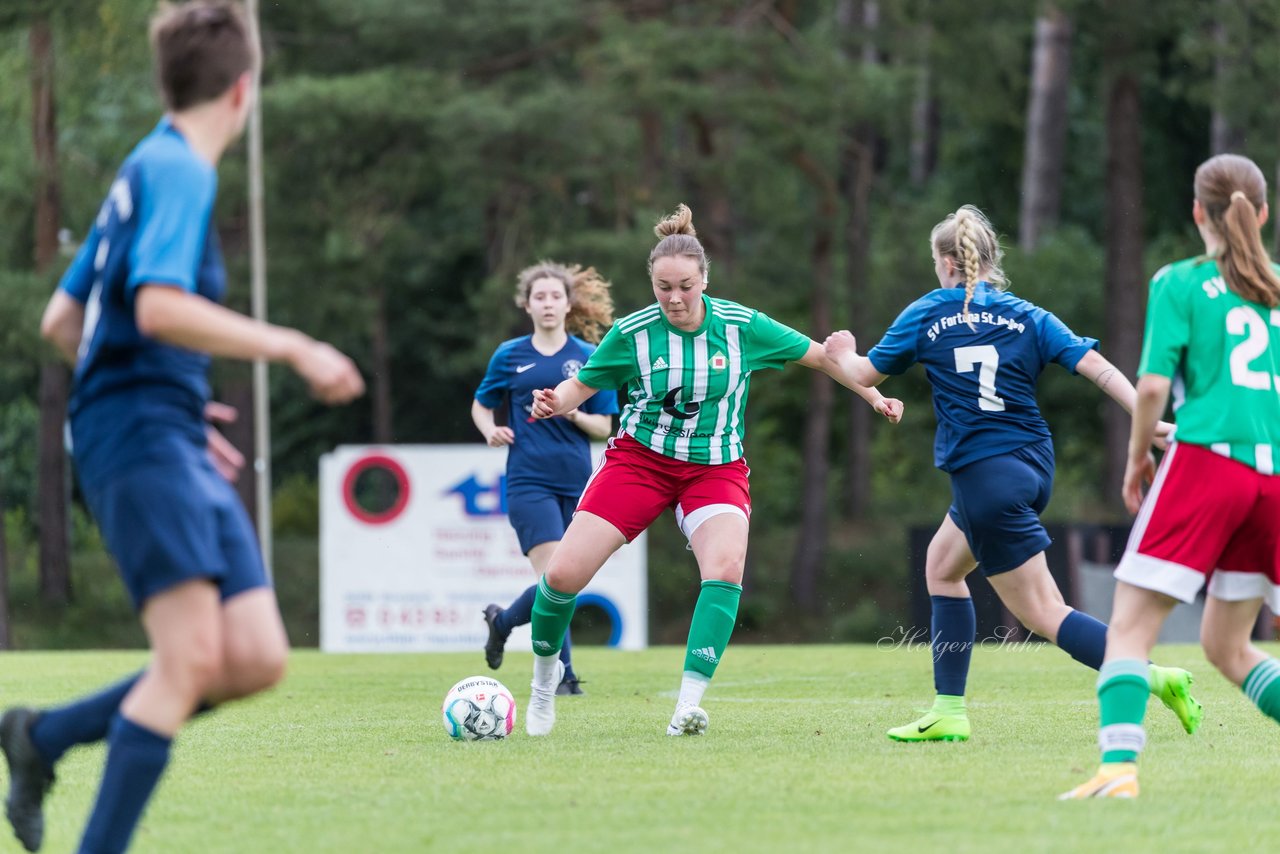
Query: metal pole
(258,299)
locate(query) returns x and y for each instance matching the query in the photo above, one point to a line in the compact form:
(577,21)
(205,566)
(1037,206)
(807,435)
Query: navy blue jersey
(984,378)
(551,455)
(152,229)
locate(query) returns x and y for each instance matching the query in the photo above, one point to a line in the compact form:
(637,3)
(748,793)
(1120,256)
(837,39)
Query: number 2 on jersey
(1245,321)
(987,358)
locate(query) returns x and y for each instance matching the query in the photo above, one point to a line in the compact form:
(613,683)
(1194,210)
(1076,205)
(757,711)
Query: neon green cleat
(933,727)
(1173,686)
(1117,780)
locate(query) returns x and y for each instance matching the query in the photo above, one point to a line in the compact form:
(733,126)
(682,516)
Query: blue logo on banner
(479,499)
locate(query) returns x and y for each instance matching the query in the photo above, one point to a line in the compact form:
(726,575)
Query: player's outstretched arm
(1094,367)
(570,394)
(62,323)
(494,435)
(594,425)
(177,317)
(838,358)
(1152,395)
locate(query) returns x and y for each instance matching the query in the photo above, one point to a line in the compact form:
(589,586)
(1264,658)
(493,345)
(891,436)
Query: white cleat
(688,720)
(540,714)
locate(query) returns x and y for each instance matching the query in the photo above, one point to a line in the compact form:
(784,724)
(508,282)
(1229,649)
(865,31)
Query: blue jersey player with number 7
(983,350)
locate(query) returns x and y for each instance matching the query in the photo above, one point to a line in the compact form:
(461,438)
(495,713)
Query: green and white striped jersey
(1223,355)
(687,391)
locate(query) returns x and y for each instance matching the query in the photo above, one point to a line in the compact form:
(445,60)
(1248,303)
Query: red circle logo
(399,479)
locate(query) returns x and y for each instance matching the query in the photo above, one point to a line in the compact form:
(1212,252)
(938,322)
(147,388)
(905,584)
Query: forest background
(419,154)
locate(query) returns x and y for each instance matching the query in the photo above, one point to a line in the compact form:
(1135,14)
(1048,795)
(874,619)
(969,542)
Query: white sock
(692,687)
(544,670)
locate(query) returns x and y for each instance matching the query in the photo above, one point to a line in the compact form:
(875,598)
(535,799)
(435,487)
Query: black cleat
(569,686)
(29,777)
(496,643)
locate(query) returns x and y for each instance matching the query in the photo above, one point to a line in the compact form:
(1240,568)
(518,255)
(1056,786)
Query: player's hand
(226,459)
(501,436)
(1164,434)
(332,376)
(891,408)
(838,343)
(1137,474)
(545,403)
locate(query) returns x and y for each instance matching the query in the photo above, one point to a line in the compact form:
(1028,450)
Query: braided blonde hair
(590,303)
(967,238)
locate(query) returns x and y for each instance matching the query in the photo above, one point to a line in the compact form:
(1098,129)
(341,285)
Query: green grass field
(349,755)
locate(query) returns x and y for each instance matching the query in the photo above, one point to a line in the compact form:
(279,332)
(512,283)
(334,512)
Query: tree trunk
(6,634)
(380,351)
(1044,155)
(857,174)
(55,567)
(811,547)
(1225,134)
(924,112)
(1125,290)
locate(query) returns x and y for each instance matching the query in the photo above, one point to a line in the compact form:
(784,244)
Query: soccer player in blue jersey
(983,350)
(548,462)
(139,310)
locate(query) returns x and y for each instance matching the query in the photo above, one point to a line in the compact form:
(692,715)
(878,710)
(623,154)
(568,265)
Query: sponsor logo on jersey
(669,405)
(570,368)
(522,368)
(660,364)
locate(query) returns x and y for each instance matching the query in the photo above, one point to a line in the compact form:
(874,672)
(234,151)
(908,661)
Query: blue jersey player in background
(548,461)
(983,351)
(138,312)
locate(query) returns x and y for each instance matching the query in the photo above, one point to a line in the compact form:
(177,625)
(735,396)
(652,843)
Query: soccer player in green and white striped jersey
(686,363)
(1212,514)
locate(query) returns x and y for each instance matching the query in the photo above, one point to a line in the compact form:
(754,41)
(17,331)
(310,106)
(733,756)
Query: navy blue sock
(566,656)
(136,757)
(1083,638)
(953,626)
(518,612)
(81,722)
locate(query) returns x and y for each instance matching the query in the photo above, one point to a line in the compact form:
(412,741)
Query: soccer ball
(479,708)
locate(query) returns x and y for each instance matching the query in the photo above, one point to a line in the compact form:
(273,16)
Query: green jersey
(687,391)
(1223,355)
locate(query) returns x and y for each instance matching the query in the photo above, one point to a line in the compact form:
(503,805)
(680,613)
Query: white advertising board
(414,574)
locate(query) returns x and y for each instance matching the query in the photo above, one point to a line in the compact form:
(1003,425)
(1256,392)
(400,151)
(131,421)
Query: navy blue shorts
(172,518)
(997,502)
(539,517)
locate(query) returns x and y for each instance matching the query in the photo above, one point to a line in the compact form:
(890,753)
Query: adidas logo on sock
(541,644)
(659,365)
(707,654)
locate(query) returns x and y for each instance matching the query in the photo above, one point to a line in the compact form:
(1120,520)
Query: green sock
(1262,686)
(949,704)
(1123,688)
(713,620)
(552,611)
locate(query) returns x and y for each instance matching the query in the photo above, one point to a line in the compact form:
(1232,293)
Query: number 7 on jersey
(988,359)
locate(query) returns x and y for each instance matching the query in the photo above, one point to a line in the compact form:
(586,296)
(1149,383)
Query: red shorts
(1207,518)
(633,485)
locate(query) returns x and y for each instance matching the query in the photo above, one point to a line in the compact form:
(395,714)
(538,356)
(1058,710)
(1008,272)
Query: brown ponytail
(1231,190)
